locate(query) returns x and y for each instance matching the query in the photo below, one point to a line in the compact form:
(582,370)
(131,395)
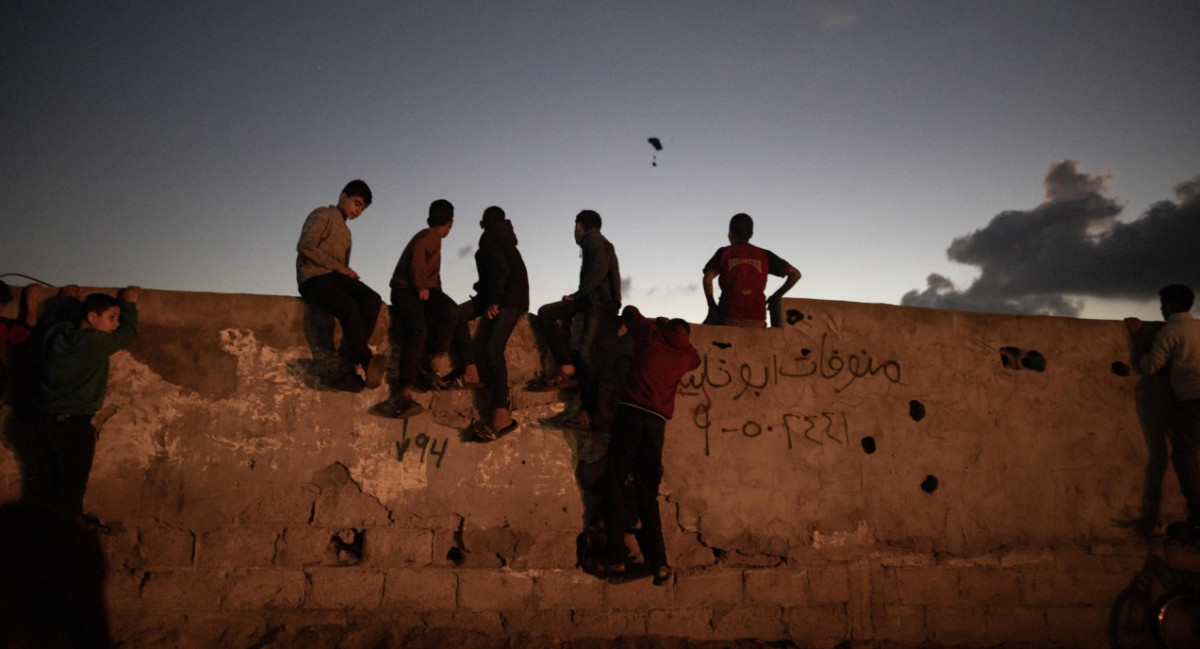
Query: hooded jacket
(503,278)
(599,274)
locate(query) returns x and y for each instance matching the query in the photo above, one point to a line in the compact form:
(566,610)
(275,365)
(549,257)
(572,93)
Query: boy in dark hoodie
(662,354)
(74,381)
(501,298)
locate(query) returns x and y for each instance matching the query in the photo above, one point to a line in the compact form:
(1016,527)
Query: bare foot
(501,418)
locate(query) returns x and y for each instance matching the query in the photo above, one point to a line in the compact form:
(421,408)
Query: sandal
(485,433)
(559,381)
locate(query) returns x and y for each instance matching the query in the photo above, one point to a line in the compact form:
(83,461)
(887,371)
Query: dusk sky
(181,145)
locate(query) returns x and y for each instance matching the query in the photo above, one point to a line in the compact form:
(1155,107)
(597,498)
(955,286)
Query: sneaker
(374,370)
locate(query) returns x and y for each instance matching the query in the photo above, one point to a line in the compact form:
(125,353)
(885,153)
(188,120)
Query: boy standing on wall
(420,308)
(327,281)
(662,354)
(74,380)
(597,300)
(502,297)
(1176,347)
(742,270)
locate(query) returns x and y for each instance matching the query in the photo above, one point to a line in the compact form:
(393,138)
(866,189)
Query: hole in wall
(794,316)
(455,556)
(721,345)
(1120,369)
(916,410)
(868,445)
(1010,357)
(1033,360)
(930,484)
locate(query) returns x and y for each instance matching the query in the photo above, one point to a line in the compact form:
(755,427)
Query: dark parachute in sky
(657,144)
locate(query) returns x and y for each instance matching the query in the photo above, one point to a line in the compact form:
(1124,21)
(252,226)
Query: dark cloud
(464,251)
(1072,246)
(673,290)
(626,284)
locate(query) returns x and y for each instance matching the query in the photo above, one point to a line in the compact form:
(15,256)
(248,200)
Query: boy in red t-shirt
(742,270)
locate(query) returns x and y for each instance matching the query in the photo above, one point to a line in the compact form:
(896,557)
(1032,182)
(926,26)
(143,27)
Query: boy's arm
(422,269)
(595,267)
(316,229)
(1159,354)
(778,267)
(493,271)
(711,270)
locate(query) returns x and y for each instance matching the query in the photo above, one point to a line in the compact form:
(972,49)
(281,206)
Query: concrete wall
(867,473)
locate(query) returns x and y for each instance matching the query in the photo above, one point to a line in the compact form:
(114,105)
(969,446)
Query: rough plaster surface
(250,507)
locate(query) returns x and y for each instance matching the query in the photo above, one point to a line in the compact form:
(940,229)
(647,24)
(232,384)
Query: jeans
(355,306)
(633,472)
(1185,439)
(491,339)
(554,320)
(60,462)
(422,327)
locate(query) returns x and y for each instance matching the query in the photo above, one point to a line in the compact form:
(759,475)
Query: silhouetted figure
(72,386)
(1176,347)
(741,270)
(423,317)
(596,300)
(502,297)
(15,331)
(662,354)
(326,280)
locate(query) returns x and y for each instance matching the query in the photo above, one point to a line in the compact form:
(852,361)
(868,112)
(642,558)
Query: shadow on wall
(51,582)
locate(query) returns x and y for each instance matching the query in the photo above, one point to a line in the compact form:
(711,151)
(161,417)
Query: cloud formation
(1071,246)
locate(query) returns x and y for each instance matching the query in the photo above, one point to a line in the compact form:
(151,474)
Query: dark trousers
(1185,440)
(423,327)
(355,306)
(633,472)
(554,320)
(60,459)
(491,339)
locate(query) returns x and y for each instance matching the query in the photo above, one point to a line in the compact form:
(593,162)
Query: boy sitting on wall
(74,380)
(326,280)
(742,270)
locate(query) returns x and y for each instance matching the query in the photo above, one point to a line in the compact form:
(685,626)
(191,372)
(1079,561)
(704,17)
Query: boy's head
(354,199)
(585,222)
(741,228)
(358,188)
(6,295)
(1176,298)
(674,323)
(491,216)
(100,312)
(441,216)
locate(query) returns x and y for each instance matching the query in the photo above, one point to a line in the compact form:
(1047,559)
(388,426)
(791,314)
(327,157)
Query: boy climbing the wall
(74,380)
(326,280)
(662,354)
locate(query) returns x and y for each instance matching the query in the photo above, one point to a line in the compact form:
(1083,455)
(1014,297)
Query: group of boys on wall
(426,323)
(75,341)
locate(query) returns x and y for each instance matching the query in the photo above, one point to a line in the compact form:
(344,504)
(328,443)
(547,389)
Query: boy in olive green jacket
(74,380)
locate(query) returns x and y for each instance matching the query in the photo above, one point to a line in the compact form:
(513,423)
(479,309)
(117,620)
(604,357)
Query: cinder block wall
(866,473)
